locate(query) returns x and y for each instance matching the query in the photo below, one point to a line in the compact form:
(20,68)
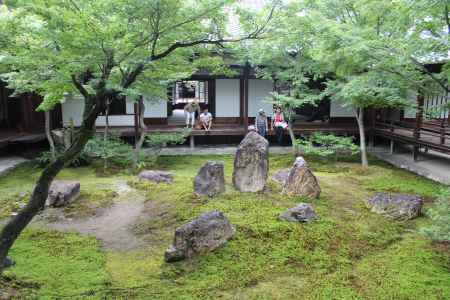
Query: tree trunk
(105,136)
(290,129)
(359,114)
(48,133)
(17,224)
(292,136)
(143,129)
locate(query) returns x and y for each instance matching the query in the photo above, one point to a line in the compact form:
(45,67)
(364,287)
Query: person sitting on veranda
(206,119)
(261,123)
(279,123)
(189,111)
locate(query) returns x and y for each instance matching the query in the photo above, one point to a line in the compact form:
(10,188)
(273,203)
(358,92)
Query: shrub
(326,145)
(157,141)
(439,230)
(113,151)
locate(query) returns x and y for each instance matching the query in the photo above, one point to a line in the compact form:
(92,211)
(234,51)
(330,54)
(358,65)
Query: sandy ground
(113,226)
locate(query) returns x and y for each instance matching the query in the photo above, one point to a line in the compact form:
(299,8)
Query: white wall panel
(227,98)
(73,106)
(258,90)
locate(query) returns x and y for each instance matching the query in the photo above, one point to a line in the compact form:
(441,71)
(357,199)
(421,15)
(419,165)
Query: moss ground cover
(347,253)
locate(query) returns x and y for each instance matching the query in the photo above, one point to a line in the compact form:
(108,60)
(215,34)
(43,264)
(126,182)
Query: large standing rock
(210,179)
(156,176)
(63,192)
(281,176)
(395,206)
(304,212)
(301,180)
(251,163)
(206,233)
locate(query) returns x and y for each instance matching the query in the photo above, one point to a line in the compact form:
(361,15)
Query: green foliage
(161,140)
(106,47)
(288,104)
(439,229)
(157,141)
(112,150)
(326,145)
(46,157)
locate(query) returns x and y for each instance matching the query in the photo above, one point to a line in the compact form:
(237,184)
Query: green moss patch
(53,264)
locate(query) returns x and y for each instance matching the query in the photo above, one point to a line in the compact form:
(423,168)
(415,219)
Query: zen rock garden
(251,168)
(215,149)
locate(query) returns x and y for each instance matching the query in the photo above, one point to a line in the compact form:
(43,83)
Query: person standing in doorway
(279,124)
(189,112)
(261,123)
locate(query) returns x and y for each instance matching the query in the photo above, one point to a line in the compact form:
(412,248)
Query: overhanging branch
(80,87)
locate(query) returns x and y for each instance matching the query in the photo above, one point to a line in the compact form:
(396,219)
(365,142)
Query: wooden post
(392,147)
(419,120)
(246,75)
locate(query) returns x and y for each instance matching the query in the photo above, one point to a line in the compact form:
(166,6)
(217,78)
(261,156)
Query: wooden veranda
(421,133)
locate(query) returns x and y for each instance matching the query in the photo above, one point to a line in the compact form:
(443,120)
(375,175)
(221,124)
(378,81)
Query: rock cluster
(156,176)
(205,233)
(63,192)
(395,206)
(303,212)
(301,181)
(251,163)
(210,179)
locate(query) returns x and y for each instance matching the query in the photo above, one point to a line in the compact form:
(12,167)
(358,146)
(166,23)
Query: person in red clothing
(279,124)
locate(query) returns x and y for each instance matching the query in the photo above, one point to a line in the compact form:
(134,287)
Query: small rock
(210,179)
(63,192)
(304,212)
(281,176)
(396,206)
(156,176)
(251,163)
(205,233)
(301,181)
(8,262)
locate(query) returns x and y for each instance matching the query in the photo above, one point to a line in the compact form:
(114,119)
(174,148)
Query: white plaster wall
(338,110)
(73,106)
(258,90)
(227,98)
(155,108)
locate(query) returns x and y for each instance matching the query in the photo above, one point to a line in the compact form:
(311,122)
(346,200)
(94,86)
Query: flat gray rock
(281,176)
(396,206)
(63,192)
(210,179)
(301,181)
(304,212)
(156,176)
(251,163)
(204,234)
